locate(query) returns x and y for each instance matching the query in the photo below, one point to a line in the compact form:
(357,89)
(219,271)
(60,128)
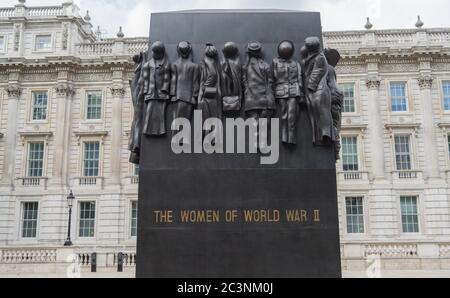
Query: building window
(448,143)
(94,105)
(43,42)
(29,219)
(399,101)
(91,158)
(355,215)
(410,217)
(87,219)
(350,154)
(349,98)
(134,210)
(446,93)
(2,43)
(35,159)
(40,102)
(403,153)
(136,170)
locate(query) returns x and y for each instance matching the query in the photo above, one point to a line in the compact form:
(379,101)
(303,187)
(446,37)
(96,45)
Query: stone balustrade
(27,255)
(386,38)
(6,12)
(45,11)
(394,250)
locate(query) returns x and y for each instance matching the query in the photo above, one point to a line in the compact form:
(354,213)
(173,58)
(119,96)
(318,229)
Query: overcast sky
(133,15)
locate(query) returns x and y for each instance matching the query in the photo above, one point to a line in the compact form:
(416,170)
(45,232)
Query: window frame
(364,210)
(21,219)
(86,105)
(83,154)
(45,50)
(130,229)
(27,162)
(5,44)
(407,98)
(419,214)
(31,110)
(358,150)
(355,96)
(411,151)
(78,217)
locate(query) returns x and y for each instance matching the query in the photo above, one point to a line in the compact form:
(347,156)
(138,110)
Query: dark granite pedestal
(295,199)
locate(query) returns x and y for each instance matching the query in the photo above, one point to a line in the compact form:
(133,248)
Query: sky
(134,15)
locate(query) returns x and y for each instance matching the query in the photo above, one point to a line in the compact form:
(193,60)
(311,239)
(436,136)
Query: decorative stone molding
(87,134)
(65,36)
(14,91)
(373,83)
(64,90)
(17,29)
(391,250)
(413,127)
(425,81)
(117,91)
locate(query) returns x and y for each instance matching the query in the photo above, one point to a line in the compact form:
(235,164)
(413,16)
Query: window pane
(446,93)
(35,159)
(40,101)
(91,159)
(410,218)
(403,153)
(355,215)
(87,219)
(134,210)
(398,97)
(29,219)
(350,154)
(136,170)
(43,42)
(349,98)
(94,105)
(2,43)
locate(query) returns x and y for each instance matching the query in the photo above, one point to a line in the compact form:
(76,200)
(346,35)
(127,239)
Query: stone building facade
(65,116)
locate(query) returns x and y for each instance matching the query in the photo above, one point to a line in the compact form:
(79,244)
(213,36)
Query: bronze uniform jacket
(287,76)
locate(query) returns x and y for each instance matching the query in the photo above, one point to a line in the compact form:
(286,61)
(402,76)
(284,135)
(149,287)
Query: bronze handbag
(210,93)
(231,103)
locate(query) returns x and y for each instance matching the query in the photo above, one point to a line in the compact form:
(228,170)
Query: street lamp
(70,199)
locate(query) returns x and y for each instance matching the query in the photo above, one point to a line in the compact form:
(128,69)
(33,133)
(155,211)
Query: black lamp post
(70,199)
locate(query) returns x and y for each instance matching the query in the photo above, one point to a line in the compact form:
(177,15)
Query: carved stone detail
(373,83)
(65,36)
(14,91)
(17,29)
(425,81)
(117,91)
(64,90)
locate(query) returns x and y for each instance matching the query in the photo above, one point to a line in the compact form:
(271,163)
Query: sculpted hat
(230,50)
(254,46)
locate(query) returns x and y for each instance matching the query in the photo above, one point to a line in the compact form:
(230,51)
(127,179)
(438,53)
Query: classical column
(64,92)
(376,128)
(14,93)
(429,132)
(118,92)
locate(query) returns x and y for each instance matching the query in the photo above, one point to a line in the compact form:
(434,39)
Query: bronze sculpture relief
(318,95)
(337,97)
(231,79)
(210,76)
(225,88)
(259,101)
(184,86)
(137,96)
(288,87)
(156,74)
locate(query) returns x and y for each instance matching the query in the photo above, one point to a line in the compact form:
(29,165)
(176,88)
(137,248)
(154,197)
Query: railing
(88,180)
(6,12)
(134,180)
(129,259)
(33,181)
(95,49)
(20,256)
(391,250)
(353,176)
(84,259)
(406,175)
(45,11)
